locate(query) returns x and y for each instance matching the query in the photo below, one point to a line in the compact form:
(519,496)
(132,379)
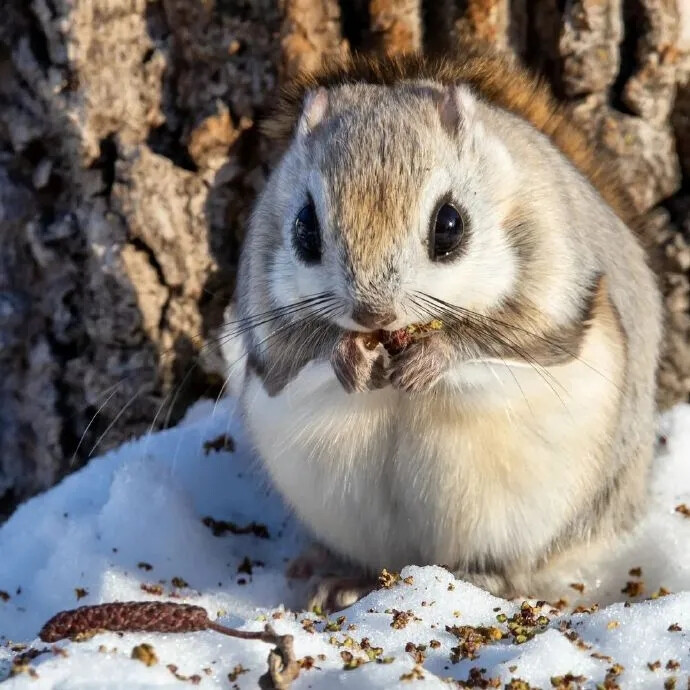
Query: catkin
(169,617)
(142,616)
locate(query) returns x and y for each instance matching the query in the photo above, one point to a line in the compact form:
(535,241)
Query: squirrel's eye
(447,232)
(307,235)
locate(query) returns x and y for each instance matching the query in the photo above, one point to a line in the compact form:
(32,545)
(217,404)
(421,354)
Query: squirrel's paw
(420,365)
(336,593)
(357,368)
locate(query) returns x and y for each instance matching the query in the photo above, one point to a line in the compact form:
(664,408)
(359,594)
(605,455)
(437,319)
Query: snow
(134,517)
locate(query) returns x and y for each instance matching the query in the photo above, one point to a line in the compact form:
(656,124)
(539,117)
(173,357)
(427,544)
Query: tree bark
(130,154)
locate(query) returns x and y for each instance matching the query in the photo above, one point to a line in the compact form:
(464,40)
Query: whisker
(270,340)
(477,323)
(112,388)
(304,324)
(261,342)
(498,355)
(480,319)
(321,312)
(324,311)
(526,331)
(250,322)
(115,420)
(279,312)
(305,300)
(237,328)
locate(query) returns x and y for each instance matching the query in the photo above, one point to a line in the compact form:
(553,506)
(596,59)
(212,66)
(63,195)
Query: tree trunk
(130,154)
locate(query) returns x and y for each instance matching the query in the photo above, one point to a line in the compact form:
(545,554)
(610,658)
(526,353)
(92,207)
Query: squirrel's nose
(372,318)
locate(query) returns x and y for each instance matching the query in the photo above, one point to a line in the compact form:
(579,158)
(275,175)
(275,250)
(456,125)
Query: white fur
(486,273)
(425,498)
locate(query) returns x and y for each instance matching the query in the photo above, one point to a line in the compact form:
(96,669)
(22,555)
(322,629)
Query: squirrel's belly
(388,480)
(328,454)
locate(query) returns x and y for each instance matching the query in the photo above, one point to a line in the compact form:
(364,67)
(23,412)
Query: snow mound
(130,526)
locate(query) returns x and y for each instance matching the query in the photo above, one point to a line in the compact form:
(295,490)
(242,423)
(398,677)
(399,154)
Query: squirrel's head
(386,193)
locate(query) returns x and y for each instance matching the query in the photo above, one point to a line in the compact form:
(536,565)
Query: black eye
(307,235)
(447,232)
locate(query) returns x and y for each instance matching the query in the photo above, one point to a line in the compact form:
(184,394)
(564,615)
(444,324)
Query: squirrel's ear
(313,112)
(456,108)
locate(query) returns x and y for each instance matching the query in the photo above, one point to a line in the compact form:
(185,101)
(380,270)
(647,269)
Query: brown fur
(494,77)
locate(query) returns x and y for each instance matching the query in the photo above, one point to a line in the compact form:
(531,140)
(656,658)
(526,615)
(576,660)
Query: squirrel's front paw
(420,365)
(356,367)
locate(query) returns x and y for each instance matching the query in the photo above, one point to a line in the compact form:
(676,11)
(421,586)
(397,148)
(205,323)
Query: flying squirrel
(513,439)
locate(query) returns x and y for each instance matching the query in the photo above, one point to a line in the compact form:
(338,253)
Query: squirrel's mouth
(394,342)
